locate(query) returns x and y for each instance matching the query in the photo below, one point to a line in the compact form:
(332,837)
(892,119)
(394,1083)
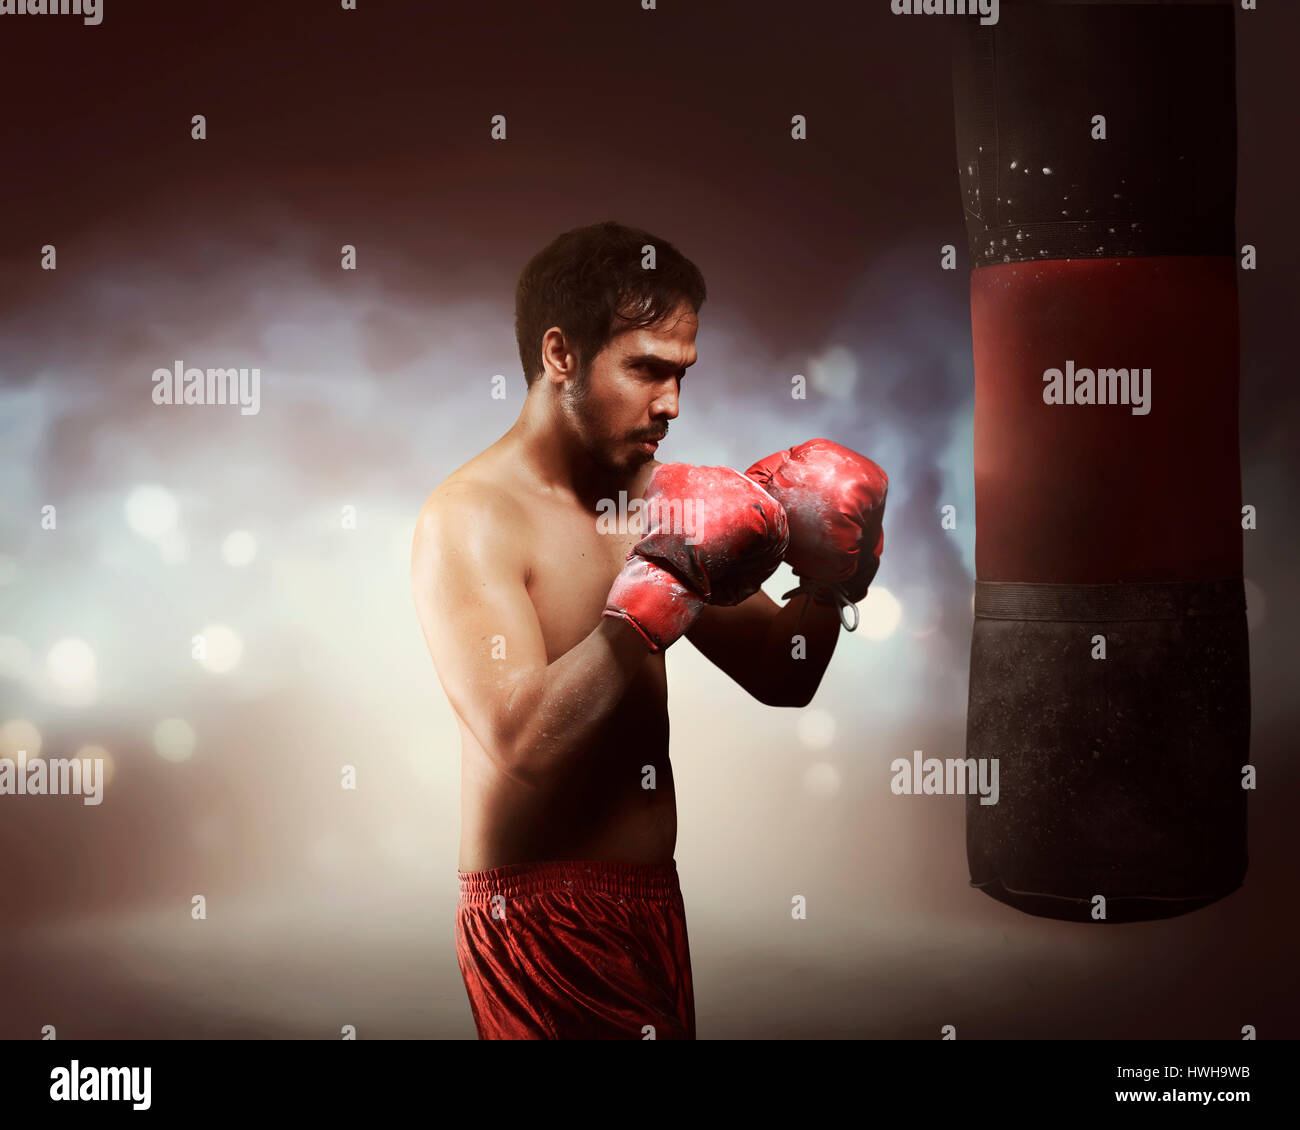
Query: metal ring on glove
(844,602)
(841,600)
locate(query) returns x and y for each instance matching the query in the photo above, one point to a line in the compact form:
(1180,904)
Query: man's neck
(545,447)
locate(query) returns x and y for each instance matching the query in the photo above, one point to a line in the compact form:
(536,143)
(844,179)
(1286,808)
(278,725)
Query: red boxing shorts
(586,951)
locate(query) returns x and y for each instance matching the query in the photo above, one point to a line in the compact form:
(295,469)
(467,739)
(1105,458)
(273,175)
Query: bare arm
(468,578)
(753,642)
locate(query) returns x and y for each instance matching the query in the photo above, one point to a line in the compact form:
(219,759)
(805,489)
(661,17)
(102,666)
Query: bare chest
(572,565)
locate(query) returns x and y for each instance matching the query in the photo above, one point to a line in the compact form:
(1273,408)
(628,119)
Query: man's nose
(665,404)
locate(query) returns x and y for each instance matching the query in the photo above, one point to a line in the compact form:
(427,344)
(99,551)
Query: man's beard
(586,428)
(607,453)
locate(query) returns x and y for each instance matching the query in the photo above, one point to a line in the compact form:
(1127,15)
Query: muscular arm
(753,643)
(468,576)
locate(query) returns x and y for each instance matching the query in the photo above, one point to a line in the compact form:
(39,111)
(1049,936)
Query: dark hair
(586,278)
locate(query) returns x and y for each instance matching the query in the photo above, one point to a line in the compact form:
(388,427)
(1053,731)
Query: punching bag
(1109,670)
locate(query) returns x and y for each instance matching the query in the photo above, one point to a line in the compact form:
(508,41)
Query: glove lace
(827,594)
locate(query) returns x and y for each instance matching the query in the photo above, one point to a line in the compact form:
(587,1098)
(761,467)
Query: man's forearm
(797,656)
(553,713)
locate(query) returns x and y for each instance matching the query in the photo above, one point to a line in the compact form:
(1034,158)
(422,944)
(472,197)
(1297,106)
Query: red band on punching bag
(1095,494)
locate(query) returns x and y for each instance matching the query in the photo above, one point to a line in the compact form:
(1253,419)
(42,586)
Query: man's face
(630,391)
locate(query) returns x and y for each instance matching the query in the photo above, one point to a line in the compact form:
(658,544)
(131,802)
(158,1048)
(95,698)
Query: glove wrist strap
(833,595)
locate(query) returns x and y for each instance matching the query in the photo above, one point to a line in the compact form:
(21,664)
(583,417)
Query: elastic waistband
(627,880)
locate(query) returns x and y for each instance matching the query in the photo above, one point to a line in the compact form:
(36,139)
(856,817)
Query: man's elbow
(511,748)
(522,766)
(519,757)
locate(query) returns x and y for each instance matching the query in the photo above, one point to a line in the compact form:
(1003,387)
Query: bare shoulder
(471,509)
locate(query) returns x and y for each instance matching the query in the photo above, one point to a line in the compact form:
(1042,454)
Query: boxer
(548,632)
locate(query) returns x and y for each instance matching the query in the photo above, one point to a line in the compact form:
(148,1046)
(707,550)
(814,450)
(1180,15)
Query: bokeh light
(239,548)
(16,734)
(222,648)
(815,727)
(151,511)
(71,667)
(99,753)
(174,739)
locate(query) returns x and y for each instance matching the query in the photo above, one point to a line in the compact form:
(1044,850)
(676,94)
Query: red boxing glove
(653,601)
(713,536)
(834,501)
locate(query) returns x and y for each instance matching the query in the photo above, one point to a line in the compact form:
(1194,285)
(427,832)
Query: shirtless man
(570,921)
